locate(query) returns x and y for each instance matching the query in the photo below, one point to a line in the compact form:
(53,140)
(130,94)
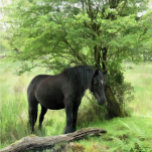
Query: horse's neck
(88,79)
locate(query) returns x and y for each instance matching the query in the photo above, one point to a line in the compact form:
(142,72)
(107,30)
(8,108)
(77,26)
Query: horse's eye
(102,82)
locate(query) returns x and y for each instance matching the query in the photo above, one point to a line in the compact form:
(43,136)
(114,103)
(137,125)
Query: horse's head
(97,87)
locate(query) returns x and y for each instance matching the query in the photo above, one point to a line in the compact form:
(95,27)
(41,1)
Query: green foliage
(52,32)
(57,34)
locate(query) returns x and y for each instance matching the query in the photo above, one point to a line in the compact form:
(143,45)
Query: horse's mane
(79,75)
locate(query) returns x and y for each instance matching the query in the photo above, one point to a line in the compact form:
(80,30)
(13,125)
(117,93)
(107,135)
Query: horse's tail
(32,104)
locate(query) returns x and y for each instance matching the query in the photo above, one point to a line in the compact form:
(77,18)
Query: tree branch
(75,52)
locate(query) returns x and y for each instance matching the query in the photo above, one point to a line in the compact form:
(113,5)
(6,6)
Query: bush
(90,111)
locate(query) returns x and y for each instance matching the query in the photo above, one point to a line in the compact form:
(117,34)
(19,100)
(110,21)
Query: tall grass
(14,108)
(140,77)
(124,134)
(13,105)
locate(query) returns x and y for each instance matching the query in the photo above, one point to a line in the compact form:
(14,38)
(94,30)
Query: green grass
(130,134)
(123,134)
(140,77)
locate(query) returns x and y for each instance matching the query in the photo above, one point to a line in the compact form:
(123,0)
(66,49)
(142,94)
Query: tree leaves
(55,28)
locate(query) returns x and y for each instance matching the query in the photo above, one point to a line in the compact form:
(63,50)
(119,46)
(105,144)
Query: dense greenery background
(78,32)
(57,34)
(53,34)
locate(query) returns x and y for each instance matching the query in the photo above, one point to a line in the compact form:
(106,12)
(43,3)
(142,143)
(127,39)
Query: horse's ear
(96,72)
(104,72)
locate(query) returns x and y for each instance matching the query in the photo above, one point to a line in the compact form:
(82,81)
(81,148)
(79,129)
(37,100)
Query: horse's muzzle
(102,101)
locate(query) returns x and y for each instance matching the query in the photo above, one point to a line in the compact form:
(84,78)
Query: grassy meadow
(130,134)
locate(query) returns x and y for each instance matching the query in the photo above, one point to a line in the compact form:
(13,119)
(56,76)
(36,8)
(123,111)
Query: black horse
(64,90)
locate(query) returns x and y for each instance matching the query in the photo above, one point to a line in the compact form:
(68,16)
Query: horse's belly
(49,101)
(50,95)
(52,106)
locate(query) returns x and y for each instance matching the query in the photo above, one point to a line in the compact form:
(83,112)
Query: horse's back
(34,82)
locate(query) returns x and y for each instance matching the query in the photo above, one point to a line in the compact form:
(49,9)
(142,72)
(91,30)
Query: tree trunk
(40,143)
(114,108)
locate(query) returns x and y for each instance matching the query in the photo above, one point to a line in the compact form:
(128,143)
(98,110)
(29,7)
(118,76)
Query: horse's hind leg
(43,112)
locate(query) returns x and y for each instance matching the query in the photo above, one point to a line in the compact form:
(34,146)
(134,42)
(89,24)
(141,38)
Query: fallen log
(41,143)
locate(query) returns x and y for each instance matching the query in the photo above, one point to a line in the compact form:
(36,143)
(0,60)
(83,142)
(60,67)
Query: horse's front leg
(69,118)
(75,113)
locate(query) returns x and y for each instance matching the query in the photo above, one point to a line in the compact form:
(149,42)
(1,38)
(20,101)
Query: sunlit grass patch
(140,77)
